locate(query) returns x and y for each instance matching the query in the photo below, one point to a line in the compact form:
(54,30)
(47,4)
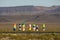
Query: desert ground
(30,36)
(6,25)
(6,22)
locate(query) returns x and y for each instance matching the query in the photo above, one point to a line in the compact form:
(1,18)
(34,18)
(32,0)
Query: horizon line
(30,5)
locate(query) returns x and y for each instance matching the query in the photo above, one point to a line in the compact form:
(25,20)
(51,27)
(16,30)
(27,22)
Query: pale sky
(7,3)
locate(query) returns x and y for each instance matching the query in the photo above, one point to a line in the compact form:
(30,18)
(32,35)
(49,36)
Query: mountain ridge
(24,10)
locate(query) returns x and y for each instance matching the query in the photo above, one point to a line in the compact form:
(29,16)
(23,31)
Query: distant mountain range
(38,14)
(28,10)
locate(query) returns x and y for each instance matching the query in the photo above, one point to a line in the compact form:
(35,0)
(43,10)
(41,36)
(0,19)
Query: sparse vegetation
(29,36)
